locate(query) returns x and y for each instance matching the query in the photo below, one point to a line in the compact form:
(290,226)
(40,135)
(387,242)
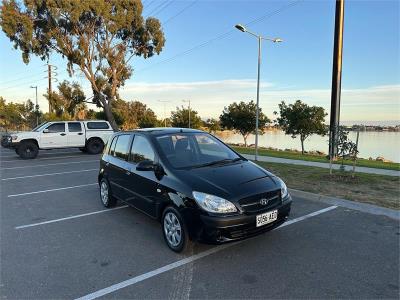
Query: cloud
(210,97)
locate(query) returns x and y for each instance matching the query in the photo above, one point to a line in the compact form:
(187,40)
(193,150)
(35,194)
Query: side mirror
(146,165)
(46,130)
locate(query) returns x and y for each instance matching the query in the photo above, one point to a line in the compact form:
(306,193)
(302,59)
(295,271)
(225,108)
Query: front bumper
(6,142)
(219,229)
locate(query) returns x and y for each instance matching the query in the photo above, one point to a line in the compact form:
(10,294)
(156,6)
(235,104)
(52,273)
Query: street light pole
(36,106)
(259,38)
(165,114)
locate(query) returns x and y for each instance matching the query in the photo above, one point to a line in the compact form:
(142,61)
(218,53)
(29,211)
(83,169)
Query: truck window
(56,127)
(97,125)
(74,127)
(121,148)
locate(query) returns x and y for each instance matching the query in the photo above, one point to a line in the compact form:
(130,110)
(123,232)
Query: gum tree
(97,37)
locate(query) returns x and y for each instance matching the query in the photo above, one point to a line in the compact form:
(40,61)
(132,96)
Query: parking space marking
(56,164)
(48,174)
(36,159)
(71,217)
(52,153)
(52,190)
(185,261)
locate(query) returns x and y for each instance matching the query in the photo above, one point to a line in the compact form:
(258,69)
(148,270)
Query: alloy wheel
(172,229)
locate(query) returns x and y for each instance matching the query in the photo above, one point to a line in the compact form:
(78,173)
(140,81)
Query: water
(370,143)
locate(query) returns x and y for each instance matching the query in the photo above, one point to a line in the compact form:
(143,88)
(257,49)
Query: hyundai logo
(264,201)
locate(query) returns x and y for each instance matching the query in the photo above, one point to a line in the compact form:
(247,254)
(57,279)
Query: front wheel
(27,150)
(174,230)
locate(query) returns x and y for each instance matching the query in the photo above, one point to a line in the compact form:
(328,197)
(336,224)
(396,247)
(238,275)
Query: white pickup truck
(88,136)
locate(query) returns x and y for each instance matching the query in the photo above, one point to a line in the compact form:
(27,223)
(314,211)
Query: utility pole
(50,73)
(189,110)
(165,114)
(36,106)
(336,78)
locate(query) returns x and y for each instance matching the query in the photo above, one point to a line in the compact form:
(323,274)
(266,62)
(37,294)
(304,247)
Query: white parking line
(46,158)
(70,217)
(184,261)
(52,190)
(56,164)
(48,174)
(52,153)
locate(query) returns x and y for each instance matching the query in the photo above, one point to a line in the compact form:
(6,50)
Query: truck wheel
(27,150)
(94,146)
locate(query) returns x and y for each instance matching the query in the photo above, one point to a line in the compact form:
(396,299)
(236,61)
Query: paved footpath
(322,165)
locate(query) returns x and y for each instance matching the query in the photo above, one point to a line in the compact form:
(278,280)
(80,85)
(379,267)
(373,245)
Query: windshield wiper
(218,162)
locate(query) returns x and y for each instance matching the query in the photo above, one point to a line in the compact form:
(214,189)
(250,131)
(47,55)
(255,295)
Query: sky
(207,61)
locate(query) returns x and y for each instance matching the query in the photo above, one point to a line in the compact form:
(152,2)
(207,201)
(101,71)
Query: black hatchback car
(194,184)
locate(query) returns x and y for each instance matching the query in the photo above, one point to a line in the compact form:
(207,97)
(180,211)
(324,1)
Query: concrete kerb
(364,207)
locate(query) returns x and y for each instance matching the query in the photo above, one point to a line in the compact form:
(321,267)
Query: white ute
(88,136)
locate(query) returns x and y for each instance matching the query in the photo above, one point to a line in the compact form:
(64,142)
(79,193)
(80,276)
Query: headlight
(284,190)
(14,137)
(213,203)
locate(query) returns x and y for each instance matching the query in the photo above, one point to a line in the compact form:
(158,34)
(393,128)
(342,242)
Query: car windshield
(38,128)
(195,150)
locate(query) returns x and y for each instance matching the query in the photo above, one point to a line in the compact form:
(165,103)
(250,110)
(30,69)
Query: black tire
(27,150)
(180,230)
(107,199)
(84,150)
(94,146)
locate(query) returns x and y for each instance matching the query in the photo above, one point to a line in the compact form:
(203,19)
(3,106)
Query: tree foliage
(135,114)
(97,37)
(18,116)
(69,100)
(180,118)
(241,117)
(300,119)
(345,147)
(212,125)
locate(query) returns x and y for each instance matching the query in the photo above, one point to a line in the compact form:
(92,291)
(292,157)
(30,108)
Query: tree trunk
(245,140)
(302,145)
(110,116)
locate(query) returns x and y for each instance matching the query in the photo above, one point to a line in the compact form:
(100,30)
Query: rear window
(97,125)
(121,148)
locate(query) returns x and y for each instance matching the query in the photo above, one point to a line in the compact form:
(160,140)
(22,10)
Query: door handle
(80,133)
(62,134)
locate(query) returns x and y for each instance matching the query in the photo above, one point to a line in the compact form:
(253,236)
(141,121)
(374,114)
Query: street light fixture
(36,106)
(259,38)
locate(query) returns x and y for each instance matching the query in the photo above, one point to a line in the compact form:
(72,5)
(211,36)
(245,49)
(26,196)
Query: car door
(54,136)
(117,165)
(142,185)
(75,135)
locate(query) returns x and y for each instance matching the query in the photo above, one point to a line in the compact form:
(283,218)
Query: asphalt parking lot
(59,242)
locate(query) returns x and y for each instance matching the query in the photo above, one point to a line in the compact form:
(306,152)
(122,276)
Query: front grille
(253,204)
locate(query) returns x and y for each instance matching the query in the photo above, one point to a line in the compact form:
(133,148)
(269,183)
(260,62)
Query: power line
(157,8)
(180,12)
(162,8)
(16,79)
(222,35)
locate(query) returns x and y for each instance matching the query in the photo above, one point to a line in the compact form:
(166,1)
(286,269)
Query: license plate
(266,218)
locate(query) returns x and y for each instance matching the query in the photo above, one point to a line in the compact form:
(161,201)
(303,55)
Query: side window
(97,125)
(121,148)
(112,146)
(74,127)
(56,127)
(141,150)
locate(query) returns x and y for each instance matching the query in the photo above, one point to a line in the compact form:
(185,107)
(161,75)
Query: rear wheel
(94,146)
(105,194)
(27,150)
(174,230)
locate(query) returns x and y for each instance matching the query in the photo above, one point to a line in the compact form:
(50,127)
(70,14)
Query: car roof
(163,130)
